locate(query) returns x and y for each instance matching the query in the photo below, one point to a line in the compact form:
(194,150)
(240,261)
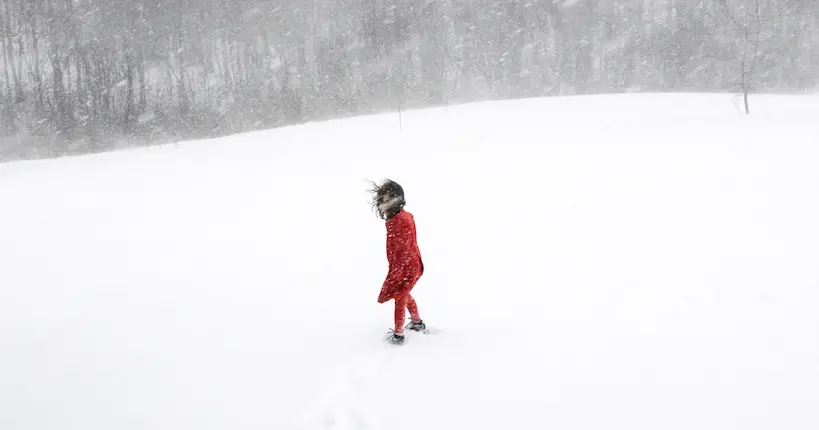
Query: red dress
(404,257)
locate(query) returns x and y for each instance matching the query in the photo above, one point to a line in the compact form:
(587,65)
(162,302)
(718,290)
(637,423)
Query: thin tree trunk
(38,81)
(91,82)
(18,77)
(6,59)
(129,95)
(58,91)
(105,79)
(16,67)
(81,103)
(143,97)
(226,56)
(57,73)
(74,101)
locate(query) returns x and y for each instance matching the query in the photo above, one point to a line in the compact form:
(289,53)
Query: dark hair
(391,189)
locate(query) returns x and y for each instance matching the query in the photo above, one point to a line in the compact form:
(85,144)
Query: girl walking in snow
(403,256)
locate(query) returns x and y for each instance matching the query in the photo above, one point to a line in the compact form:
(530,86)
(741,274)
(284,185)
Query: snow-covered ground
(637,262)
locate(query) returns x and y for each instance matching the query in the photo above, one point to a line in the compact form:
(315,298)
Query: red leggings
(402,303)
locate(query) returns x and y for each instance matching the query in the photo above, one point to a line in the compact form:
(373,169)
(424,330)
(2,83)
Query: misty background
(80,76)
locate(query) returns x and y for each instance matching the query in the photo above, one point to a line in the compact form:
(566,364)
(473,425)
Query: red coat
(403,255)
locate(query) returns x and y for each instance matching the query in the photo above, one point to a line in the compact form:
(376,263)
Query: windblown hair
(392,190)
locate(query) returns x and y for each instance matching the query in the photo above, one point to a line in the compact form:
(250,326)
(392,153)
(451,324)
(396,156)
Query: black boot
(395,338)
(417,326)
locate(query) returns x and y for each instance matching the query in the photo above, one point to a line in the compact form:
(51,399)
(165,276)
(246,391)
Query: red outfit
(405,267)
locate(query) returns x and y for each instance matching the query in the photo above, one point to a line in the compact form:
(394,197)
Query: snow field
(631,261)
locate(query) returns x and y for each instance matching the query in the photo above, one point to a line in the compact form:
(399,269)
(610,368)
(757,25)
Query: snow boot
(395,338)
(417,326)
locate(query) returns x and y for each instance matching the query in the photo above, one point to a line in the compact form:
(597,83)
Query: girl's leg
(413,309)
(400,313)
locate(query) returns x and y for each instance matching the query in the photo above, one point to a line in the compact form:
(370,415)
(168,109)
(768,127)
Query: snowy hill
(637,262)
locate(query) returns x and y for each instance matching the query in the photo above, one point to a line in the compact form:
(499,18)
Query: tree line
(87,75)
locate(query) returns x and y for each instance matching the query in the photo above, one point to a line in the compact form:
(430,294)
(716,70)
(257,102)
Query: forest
(80,76)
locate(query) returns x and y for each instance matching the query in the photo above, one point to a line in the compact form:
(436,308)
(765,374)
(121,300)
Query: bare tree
(758,40)
(744,30)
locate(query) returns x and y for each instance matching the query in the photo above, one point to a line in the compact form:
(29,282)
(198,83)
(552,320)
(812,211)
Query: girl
(403,255)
